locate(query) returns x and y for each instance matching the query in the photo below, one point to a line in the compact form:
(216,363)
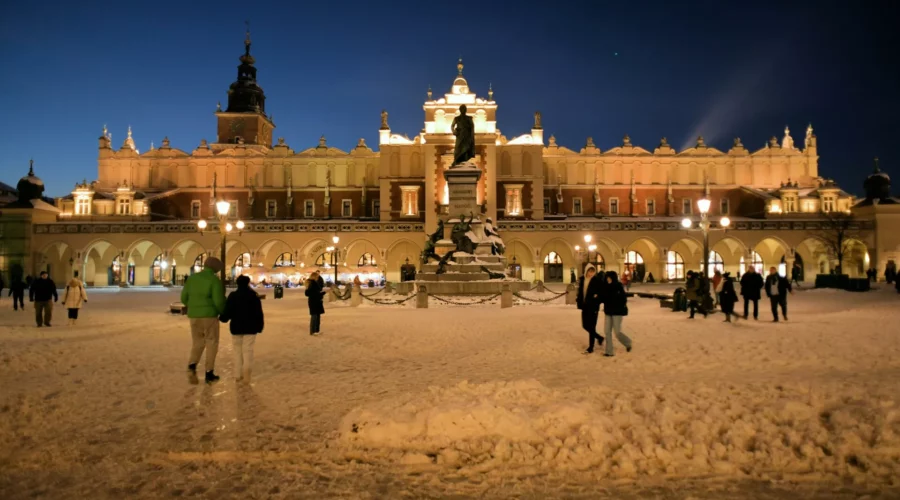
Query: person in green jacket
(204,296)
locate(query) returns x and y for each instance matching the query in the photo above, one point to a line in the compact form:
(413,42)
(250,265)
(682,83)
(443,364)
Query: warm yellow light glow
(577,248)
(686,223)
(164,265)
(592,248)
(223,207)
(587,238)
(201,224)
(774,209)
(329,249)
(703,205)
(228,227)
(240,225)
(725,222)
(335,239)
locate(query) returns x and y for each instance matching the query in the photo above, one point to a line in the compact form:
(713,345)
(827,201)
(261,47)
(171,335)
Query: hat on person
(214,264)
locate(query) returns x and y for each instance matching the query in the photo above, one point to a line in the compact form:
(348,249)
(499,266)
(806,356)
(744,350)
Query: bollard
(571,294)
(329,297)
(506,297)
(540,287)
(388,289)
(422,298)
(355,296)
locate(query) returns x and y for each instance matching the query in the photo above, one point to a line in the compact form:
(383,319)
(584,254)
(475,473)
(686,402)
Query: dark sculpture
(463,127)
(493,275)
(462,242)
(430,243)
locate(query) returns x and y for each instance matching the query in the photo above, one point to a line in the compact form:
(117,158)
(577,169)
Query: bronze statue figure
(462,242)
(430,243)
(463,127)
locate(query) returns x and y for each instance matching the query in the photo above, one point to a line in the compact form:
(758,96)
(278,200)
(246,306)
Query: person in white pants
(244,310)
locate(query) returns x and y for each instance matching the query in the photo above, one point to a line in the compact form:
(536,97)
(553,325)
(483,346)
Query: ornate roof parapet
(700,142)
(626,141)
(105,139)
(664,148)
(809,142)
(590,148)
(129,142)
(165,143)
(773,143)
(787,142)
(552,142)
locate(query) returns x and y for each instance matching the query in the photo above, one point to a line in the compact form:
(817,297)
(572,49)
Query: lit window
(285,260)
(613,206)
(674,266)
(724,206)
(828,204)
(513,199)
(233,211)
(271,208)
(576,206)
(195,209)
(552,258)
(651,207)
(346,208)
(82,206)
(410,197)
(687,206)
(790,204)
(715,263)
(309,209)
(124,206)
(756,262)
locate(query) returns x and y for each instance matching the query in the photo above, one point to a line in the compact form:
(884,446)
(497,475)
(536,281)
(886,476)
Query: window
(724,206)
(634,258)
(410,199)
(513,199)
(233,211)
(546,205)
(198,263)
(651,207)
(82,206)
(828,204)
(576,206)
(757,262)
(346,208)
(366,259)
(325,259)
(613,206)
(124,206)
(240,263)
(285,260)
(790,204)
(552,258)
(742,267)
(309,208)
(376,208)
(674,266)
(271,208)
(686,206)
(195,209)
(715,263)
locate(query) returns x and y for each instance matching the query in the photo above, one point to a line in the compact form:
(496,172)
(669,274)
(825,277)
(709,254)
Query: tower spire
(459,66)
(31,166)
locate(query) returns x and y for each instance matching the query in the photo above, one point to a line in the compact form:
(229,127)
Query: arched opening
(674,266)
(553,268)
(756,262)
(715,263)
(284,260)
(797,272)
(520,260)
(634,265)
(198,264)
(366,259)
(161,271)
(145,264)
(241,263)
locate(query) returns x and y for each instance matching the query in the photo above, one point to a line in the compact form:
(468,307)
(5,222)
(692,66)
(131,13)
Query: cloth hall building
(137,222)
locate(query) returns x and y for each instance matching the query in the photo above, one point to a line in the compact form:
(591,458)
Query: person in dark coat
(591,288)
(691,286)
(795,274)
(17,292)
(42,290)
(315,291)
(244,310)
(777,289)
(751,286)
(728,297)
(615,307)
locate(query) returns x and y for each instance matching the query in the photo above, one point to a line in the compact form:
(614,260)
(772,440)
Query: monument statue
(492,236)
(463,127)
(460,238)
(430,243)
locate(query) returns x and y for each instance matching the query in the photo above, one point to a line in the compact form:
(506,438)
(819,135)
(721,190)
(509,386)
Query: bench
(178,308)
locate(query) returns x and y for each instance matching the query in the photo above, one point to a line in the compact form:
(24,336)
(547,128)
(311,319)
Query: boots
(211,377)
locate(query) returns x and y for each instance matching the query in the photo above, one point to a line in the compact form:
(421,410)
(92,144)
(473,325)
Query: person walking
(315,291)
(728,297)
(204,297)
(751,286)
(615,308)
(244,310)
(795,274)
(17,292)
(777,288)
(73,298)
(41,291)
(588,299)
(691,287)
(716,286)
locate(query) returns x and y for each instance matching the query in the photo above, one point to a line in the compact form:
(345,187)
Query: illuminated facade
(142,210)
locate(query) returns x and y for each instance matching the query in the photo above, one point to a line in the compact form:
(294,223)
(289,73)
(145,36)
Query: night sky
(714,69)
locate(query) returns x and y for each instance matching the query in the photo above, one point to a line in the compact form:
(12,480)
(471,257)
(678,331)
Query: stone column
(663,275)
(571,294)
(422,298)
(506,297)
(355,296)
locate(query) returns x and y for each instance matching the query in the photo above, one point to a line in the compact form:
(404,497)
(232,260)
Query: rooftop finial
(459,66)
(429,91)
(31,166)
(491,91)
(247,39)
(877,168)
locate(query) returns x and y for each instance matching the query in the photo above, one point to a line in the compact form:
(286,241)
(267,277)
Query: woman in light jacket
(74,297)
(615,307)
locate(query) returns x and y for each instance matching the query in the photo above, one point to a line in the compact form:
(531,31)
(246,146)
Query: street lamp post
(335,256)
(225,227)
(703,204)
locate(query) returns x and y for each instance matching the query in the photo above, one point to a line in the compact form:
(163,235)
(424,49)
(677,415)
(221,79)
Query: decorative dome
(31,186)
(460,85)
(877,185)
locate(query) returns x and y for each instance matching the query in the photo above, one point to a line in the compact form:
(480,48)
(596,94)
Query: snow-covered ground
(456,402)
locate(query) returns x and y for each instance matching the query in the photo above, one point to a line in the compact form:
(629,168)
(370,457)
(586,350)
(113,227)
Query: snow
(451,401)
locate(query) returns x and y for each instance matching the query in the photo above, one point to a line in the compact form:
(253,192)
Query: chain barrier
(388,302)
(448,301)
(346,295)
(372,294)
(555,296)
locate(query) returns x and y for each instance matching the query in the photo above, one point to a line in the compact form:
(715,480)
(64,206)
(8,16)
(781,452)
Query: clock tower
(244,121)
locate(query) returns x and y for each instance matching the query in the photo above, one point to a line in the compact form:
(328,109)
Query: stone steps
(467,277)
(465,268)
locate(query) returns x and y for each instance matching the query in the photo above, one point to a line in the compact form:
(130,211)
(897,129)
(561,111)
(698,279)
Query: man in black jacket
(751,286)
(777,289)
(591,293)
(17,292)
(42,290)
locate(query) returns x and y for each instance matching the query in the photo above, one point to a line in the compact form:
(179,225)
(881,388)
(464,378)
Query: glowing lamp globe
(228,227)
(577,248)
(686,223)
(725,222)
(223,207)
(240,225)
(592,248)
(703,205)
(201,224)
(587,238)
(164,265)
(335,239)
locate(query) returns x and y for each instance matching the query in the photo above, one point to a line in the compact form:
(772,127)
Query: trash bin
(679,300)
(279,291)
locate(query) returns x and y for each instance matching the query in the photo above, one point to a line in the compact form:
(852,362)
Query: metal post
(334,257)
(705,226)
(222,253)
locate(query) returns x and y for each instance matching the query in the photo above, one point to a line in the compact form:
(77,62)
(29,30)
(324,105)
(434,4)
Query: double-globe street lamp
(703,204)
(225,227)
(589,247)
(335,255)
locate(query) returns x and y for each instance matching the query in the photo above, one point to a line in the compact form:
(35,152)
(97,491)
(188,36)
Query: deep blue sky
(598,69)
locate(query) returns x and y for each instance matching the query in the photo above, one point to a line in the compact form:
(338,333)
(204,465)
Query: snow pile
(704,431)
